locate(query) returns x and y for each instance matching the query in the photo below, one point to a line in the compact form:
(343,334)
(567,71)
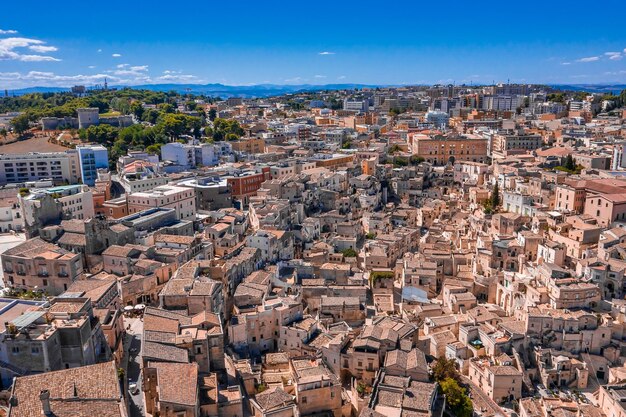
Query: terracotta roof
(85,391)
(272,398)
(72,239)
(177,382)
(165,353)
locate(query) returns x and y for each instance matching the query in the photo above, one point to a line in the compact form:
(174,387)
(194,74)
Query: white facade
(59,166)
(438,118)
(182,199)
(79,205)
(356,105)
(189,156)
(11,218)
(179,153)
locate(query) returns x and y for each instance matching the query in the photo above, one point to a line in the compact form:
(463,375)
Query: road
(133,367)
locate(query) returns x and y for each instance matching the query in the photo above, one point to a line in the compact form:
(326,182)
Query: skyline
(354,42)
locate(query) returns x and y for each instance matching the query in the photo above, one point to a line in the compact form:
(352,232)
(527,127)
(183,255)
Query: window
(35,350)
(303,400)
(15,349)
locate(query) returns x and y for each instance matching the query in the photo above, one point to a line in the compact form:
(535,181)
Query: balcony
(63,274)
(43,274)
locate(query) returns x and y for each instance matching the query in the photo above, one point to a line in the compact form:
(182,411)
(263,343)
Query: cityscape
(270,221)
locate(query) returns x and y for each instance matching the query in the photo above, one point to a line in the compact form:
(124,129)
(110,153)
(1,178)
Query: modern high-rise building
(92,158)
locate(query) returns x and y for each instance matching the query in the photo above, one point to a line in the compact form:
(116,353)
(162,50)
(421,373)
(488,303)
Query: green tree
(224,129)
(570,165)
(212,114)
(3,133)
(456,398)
(445,368)
(400,161)
(151,116)
(137,109)
(176,124)
(166,108)
(556,97)
(349,253)
(495,196)
(416,159)
(102,134)
(154,149)
(21,124)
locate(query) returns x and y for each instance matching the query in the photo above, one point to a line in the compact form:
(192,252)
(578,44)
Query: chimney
(44,396)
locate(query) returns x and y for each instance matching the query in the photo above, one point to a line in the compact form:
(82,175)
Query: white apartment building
(502,103)
(189,156)
(61,167)
(10,216)
(77,200)
(182,199)
(356,105)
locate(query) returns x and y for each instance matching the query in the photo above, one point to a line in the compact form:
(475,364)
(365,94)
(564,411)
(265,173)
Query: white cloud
(91,66)
(173,77)
(566,63)
(320,76)
(50,79)
(614,56)
(99,50)
(326,53)
(10,50)
(589,59)
(42,49)
(137,71)
(622,72)
(341,77)
(116,55)
(8,32)
(293,80)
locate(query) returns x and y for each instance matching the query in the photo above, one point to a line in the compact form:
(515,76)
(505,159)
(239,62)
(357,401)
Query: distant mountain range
(215,90)
(258,90)
(268,90)
(591,88)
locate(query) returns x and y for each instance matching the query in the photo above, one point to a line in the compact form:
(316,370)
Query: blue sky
(279,42)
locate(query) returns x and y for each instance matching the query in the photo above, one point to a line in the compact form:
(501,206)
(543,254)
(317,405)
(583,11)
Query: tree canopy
(445,368)
(457,399)
(20,124)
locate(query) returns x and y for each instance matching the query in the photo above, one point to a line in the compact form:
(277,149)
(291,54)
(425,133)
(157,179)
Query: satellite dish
(415,294)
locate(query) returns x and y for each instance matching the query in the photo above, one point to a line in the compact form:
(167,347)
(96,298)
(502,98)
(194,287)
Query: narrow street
(133,365)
